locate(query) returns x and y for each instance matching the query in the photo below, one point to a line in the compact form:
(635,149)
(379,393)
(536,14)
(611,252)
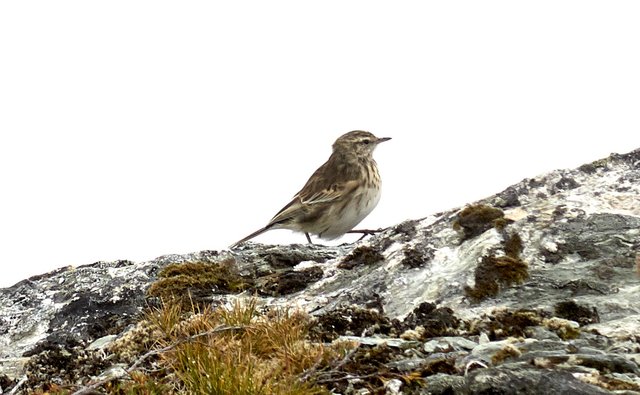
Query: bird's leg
(308,238)
(367,232)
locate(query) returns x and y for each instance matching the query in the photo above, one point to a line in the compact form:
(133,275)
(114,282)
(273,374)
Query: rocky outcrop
(533,290)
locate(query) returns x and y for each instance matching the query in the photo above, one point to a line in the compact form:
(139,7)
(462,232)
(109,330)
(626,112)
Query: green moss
(501,223)
(187,281)
(513,246)
(493,272)
(477,219)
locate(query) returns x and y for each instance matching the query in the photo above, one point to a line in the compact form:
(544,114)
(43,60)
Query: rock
(520,379)
(378,341)
(540,333)
(442,384)
(532,290)
(72,305)
(447,344)
(101,343)
(392,387)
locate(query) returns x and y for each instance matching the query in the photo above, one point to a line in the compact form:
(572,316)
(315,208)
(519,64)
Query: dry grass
(238,350)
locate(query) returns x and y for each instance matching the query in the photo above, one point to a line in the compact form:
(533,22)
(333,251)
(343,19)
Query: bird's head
(358,142)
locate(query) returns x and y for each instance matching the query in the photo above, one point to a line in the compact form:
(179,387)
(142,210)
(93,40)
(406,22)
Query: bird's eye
(366,141)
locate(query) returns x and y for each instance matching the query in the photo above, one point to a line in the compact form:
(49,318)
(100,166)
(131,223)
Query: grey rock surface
(533,290)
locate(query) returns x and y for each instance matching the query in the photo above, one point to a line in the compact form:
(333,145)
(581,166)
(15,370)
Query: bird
(337,196)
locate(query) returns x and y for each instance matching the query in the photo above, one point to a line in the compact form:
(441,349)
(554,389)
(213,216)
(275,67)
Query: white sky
(133,129)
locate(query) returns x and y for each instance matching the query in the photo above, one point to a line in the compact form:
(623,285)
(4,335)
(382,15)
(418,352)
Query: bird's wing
(333,192)
(304,201)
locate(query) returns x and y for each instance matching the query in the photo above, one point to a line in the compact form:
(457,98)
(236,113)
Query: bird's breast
(351,212)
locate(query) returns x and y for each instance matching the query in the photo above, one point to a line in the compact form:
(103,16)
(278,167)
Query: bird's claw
(367,232)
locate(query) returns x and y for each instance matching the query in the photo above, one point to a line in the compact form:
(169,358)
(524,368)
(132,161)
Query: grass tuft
(263,354)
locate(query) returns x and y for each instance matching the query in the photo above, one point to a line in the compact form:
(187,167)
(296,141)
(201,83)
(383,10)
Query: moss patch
(513,246)
(562,328)
(508,351)
(414,257)
(494,272)
(506,323)
(194,282)
(477,219)
(570,310)
(363,255)
(432,321)
(288,281)
(350,321)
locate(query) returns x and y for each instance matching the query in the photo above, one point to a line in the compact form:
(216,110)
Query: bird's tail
(251,236)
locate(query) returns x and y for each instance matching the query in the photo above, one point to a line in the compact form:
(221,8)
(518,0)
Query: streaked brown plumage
(340,194)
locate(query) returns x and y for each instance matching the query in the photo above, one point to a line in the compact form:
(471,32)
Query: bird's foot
(367,232)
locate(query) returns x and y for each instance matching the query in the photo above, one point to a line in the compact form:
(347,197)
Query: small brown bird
(340,194)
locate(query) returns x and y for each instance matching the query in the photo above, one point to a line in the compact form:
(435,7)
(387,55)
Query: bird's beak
(383,139)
